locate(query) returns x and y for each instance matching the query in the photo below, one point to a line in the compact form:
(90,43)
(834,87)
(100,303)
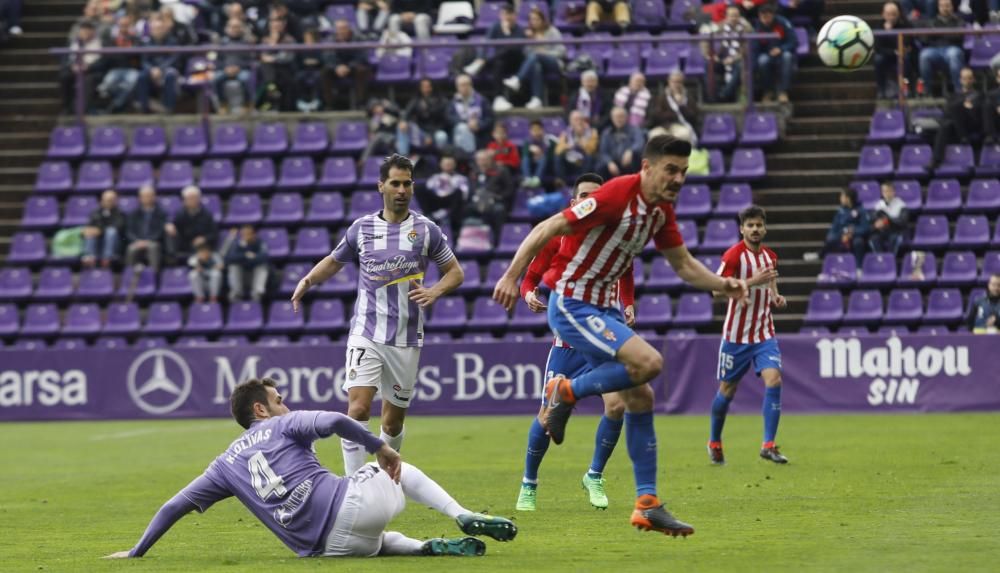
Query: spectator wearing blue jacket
(247,264)
(160,70)
(620,150)
(849,230)
(984,314)
(775,58)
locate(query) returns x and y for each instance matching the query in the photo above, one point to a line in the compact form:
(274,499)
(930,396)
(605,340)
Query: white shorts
(391,370)
(372,500)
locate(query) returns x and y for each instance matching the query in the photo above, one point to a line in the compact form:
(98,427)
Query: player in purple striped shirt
(392,248)
(273,470)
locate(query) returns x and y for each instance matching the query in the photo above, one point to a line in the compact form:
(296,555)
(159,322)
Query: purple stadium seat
(868,192)
(82,319)
(273,340)
(174,283)
(958,268)
(40,212)
(297,173)
(511,237)
(495,270)
(928,271)
(26,248)
(838,270)
(623,62)
(175,175)
(149,142)
(931,232)
(974,295)
(40,320)
(94,177)
(343,284)
(322,340)
(229,140)
(204,318)
(943,196)
(661,62)
(122,318)
(523,319)
(189,142)
(54,284)
(364,203)
(326,316)
(689,232)
(518,129)
(914,160)
(233,340)
(370,172)
(718,130)
(9,320)
(638,275)
(67,143)
(326,208)
(878,270)
(888,126)
(996,236)
(111,342)
(864,307)
(654,310)
(648,15)
(958,161)
(487,314)
(95,284)
(171,204)
(73,343)
(133,174)
(747,165)
(350,138)
(269,140)
(875,161)
(991,266)
(905,306)
(716,169)
(291,274)
(107,143)
(694,202)
(256,176)
(932,330)
(285,208)
(759,129)
(277,243)
(163,318)
(311,243)
(693,309)
(217,176)
(244,208)
(191,341)
(340,11)
(972,232)
(141,287)
(944,306)
(282,319)
(245,317)
(394,69)
(989,161)
(694,63)
(662,276)
(489,14)
(28,345)
(983,196)
(826,307)
(433,64)
(815,331)
(15,284)
(720,234)
(311,138)
(54,177)
(338,173)
(447,314)
(983,49)
(910,192)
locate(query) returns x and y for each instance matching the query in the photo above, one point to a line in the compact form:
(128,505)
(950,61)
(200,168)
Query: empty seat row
(916,160)
(719,130)
(746,164)
(886,330)
(942,195)
(903,306)
(958,268)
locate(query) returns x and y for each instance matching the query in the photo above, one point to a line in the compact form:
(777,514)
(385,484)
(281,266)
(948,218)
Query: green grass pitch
(863,493)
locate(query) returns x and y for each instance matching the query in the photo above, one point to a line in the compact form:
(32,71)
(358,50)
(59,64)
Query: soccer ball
(845,43)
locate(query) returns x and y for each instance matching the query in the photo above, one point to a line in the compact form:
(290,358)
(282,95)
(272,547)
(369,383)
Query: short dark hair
(245,395)
(753,212)
(395,160)
(663,145)
(852,194)
(767,8)
(537,122)
(87,24)
(587,178)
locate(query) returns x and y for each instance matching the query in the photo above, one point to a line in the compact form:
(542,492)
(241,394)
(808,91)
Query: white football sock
(423,490)
(395,543)
(355,456)
(395,442)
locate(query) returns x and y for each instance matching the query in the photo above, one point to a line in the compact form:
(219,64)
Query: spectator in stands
(849,230)
(206,274)
(344,64)
(728,55)
(616,11)
(469,116)
(383,128)
(963,116)
(620,149)
(491,193)
(412,15)
(991,111)
(445,193)
(504,152)
(634,98)
(371,18)
(810,9)
(941,51)
(10,16)
(159,70)
(984,312)
(183,34)
(394,36)
(675,110)
(536,156)
(540,60)
(192,226)
(309,74)
(145,229)
(232,80)
(775,58)
(278,9)
(886,56)
(91,65)
(247,265)
(118,85)
(103,233)
(425,119)
(587,100)
(277,69)
(505,60)
(889,221)
(576,148)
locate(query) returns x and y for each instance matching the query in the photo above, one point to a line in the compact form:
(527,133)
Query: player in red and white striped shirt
(748,333)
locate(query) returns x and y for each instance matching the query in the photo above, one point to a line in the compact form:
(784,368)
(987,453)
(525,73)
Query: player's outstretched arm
(323,270)
(695,274)
(169,514)
(506,291)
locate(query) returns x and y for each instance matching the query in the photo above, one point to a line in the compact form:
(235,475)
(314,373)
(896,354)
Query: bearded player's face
(666,177)
(754,230)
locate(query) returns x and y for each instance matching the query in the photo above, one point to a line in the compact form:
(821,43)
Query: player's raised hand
(117,555)
(300,291)
(506,293)
(388,459)
(630,316)
(534,301)
(424,297)
(735,289)
(763,276)
(779,302)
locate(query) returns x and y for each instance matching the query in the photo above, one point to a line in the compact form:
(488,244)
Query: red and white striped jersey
(748,322)
(610,228)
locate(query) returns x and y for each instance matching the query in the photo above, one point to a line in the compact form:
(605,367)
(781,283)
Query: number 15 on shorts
(726,362)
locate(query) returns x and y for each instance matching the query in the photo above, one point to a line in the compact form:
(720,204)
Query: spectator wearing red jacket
(504,152)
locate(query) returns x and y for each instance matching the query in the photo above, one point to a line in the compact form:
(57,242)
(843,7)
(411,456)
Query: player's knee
(615,410)
(359,410)
(638,399)
(773,382)
(650,365)
(392,427)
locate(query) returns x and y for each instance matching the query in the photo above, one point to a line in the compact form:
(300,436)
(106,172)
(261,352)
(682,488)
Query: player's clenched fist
(506,293)
(735,289)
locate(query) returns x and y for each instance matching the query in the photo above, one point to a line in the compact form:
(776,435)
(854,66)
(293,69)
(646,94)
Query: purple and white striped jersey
(389,256)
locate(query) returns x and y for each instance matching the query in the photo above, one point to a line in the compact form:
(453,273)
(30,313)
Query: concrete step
(50,23)
(46,74)
(797,232)
(798,197)
(806,178)
(814,74)
(24,140)
(825,143)
(18,122)
(785,214)
(11,209)
(15,55)
(30,106)
(840,90)
(38,39)
(25,90)
(22,157)
(839,126)
(15,178)
(50,8)
(826,108)
(826,160)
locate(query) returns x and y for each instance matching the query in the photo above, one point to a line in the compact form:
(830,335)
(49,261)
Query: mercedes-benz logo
(151,373)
